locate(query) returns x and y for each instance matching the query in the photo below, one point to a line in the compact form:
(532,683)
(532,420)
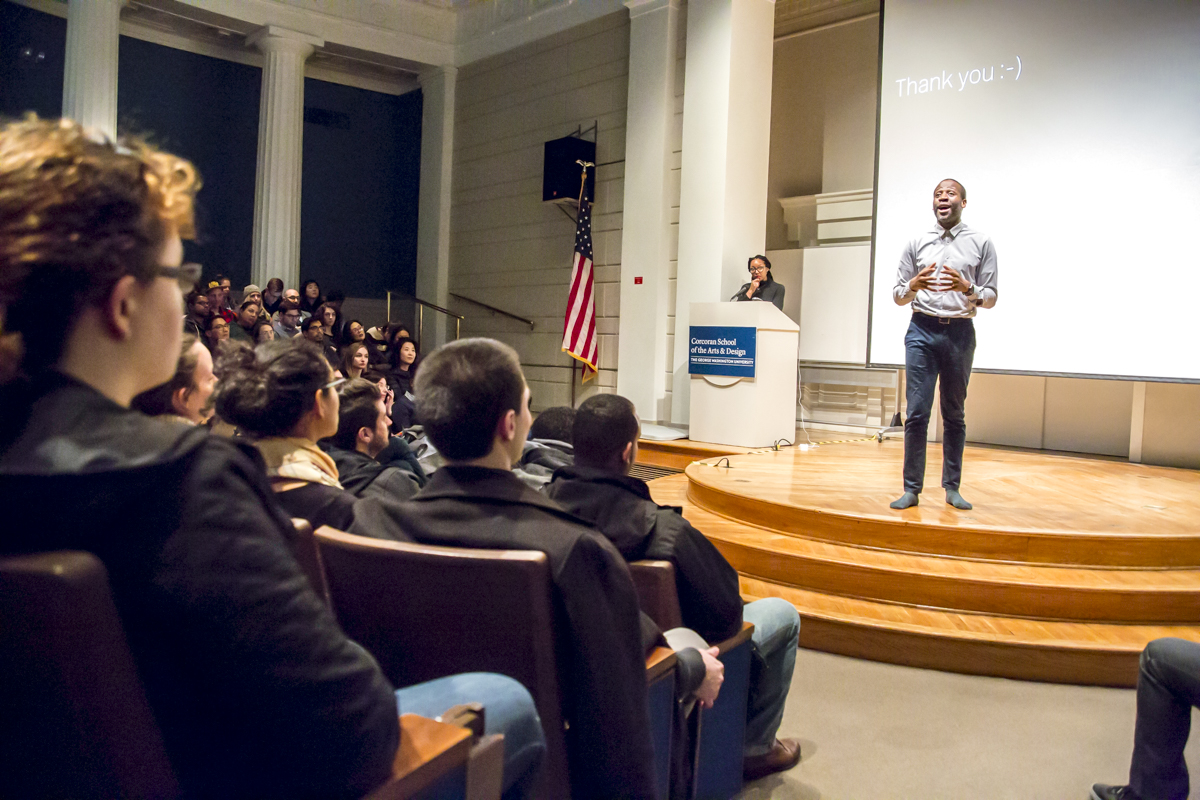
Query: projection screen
(1075,128)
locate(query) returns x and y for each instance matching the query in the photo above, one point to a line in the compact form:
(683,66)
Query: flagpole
(582,188)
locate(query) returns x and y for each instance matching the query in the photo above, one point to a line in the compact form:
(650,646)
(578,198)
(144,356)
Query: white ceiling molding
(491,28)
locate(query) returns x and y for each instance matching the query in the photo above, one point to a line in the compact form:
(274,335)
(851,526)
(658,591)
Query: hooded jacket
(255,687)
(621,508)
(604,698)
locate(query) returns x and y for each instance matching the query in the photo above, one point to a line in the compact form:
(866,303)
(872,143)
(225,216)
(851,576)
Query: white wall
(823,97)
(510,250)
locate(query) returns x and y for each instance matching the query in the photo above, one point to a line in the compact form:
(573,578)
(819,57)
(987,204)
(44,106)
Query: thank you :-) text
(721,350)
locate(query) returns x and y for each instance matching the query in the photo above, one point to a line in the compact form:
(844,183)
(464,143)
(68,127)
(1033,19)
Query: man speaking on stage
(946,274)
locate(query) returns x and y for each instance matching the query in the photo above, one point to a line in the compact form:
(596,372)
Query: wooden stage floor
(1063,571)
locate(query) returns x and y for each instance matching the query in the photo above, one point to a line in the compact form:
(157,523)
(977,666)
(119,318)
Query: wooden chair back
(74,718)
(305,548)
(426,612)
(655,584)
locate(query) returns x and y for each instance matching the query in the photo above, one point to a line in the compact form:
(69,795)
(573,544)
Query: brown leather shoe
(783,755)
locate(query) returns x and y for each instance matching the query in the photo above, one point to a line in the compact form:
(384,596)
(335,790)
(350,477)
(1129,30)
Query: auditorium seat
(309,557)
(426,612)
(75,719)
(718,732)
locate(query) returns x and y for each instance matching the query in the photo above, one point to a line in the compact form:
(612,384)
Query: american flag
(579,329)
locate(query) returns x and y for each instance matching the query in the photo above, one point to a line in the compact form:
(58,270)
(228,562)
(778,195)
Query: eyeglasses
(333,384)
(758,269)
(186,275)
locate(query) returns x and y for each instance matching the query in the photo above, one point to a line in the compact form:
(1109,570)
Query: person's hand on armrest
(714,676)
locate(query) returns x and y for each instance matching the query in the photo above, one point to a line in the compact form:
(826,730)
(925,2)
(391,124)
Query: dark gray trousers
(1168,687)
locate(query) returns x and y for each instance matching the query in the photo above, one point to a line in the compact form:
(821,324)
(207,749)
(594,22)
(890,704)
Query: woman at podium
(761,286)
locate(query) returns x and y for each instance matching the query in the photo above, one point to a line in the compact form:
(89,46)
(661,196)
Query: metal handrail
(421,306)
(501,311)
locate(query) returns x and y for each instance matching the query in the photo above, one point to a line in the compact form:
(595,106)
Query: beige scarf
(298,459)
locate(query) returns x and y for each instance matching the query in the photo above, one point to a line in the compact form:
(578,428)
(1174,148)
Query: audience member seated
(473,401)
(310,297)
(272,296)
(599,489)
(404,368)
(187,396)
(226,290)
(216,302)
(256,689)
(312,330)
(216,334)
(397,453)
(354,332)
(362,434)
(1168,687)
(291,299)
(247,319)
(329,319)
(196,319)
(281,397)
(354,360)
(549,446)
(287,322)
(334,300)
(263,332)
(251,292)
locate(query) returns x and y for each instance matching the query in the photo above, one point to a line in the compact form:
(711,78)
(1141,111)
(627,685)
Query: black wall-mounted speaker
(560,173)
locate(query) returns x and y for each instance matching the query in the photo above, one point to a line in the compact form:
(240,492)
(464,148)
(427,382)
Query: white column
(645,240)
(433,208)
(280,153)
(1137,422)
(90,76)
(726,138)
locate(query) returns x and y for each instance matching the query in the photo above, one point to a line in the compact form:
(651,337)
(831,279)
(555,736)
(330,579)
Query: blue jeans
(776,636)
(1168,686)
(932,350)
(507,709)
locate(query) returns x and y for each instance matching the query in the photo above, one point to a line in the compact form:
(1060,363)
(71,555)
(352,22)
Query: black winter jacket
(605,698)
(257,690)
(620,506)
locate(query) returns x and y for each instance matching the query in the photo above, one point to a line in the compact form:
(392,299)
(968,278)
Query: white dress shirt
(966,250)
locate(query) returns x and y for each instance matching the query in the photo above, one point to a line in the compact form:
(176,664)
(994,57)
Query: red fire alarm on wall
(637,281)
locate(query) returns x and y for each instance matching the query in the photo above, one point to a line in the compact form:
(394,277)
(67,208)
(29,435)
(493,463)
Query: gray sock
(955,499)
(907,500)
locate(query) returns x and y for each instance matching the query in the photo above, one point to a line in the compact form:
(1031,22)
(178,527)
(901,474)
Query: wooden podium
(742,394)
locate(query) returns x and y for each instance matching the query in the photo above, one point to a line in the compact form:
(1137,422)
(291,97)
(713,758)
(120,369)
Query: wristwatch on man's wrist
(970,290)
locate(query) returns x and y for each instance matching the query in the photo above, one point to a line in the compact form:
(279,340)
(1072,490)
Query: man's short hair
(157,401)
(463,389)
(604,424)
(309,323)
(554,423)
(962,190)
(359,409)
(78,213)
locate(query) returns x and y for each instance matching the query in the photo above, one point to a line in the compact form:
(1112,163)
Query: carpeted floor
(880,732)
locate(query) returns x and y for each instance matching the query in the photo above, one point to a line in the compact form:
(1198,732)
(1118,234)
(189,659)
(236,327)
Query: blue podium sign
(721,350)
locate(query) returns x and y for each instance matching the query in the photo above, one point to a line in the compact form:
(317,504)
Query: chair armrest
(738,638)
(428,750)
(660,662)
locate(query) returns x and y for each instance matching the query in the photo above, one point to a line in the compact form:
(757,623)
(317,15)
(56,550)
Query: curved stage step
(927,587)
